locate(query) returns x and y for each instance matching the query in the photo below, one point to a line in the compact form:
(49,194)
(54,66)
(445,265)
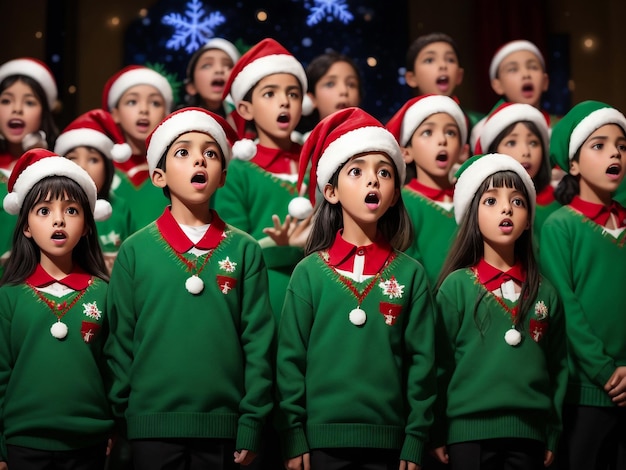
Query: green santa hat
(576,126)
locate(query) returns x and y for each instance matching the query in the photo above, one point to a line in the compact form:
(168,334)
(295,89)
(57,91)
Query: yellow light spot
(372,62)
(114,21)
(143,12)
(71,89)
(38,35)
(261,15)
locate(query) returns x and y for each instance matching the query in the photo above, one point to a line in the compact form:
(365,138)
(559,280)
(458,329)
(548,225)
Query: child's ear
(190,88)
(464,154)
(244,108)
(330,194)
(115,114)
(222,178)
(460,74)
(546,82)
(158,178)
(410,79)
(406,155)
(396,196)
(26,232)
(574,168)
(497,87)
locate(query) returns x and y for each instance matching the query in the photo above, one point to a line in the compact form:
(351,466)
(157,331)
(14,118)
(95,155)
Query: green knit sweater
(52,393)
(342,385)
(435,229)
(588,267)
(184,365)
(487,388)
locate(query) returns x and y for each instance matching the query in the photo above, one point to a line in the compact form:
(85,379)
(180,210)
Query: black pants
(593,438)
(183,454)
(497,454)
(354,459)
(25,458)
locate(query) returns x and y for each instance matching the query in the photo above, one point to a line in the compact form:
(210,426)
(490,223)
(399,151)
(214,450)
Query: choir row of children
(486,259)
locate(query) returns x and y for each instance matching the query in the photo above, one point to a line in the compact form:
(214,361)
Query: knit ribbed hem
(412,450)
(493,426)
(354,435)
(587,395)
(50,444)
(293,443)
(158,425)
(249,435)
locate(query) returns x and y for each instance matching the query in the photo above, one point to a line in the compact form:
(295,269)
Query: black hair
(25,254)
(47,121)
(468,247)
(544,175)
(569,185)
(395,224)
(421,42)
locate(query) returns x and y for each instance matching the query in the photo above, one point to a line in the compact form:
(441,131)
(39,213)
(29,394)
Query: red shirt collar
(434,194)
(174,235)
(6,160)
(342,253)
(546,196)
(76,280)
(277,160)
(135,168)
(599,213)
(492,277)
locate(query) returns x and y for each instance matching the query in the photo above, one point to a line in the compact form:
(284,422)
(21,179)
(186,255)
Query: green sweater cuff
(552,439)
(412,450)
(605,374)
(294,443)
(248,436)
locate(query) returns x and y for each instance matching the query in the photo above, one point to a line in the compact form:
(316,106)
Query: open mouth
(443,80)
(372,200)
(614,170)
(218,82)
(442,157)
(143,123)
(528,88)
(16,124)
(58,236)
(506,223)
(341,106)
(283,118)
(198,178)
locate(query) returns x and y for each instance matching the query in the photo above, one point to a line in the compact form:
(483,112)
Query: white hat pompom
(103,210)
(121,152)
(244,149)
(300,208)
(307,105)
(11,203)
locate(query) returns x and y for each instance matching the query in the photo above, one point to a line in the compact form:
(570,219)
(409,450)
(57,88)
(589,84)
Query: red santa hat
(336,139)
(36,70)
(185,120)
(97,129)
(509,113)
(131,76)
(415,111)
(267,57)
(37,164)
(510,48)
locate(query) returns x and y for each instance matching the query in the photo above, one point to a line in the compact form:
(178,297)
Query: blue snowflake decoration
(193,30)
(329,10)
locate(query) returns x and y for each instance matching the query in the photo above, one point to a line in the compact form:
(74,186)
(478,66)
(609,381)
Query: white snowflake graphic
(541,310)
(91,310)
(193,30)
(329,10)
(111,238)
(392,288)
(227,265)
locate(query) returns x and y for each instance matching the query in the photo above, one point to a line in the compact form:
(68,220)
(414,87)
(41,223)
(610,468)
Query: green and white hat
(476,170)
(576,126)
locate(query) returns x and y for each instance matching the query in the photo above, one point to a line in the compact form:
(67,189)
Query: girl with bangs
(499,332)
(55,413)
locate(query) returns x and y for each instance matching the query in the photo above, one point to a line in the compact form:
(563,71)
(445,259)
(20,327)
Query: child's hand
(245,457)
(616,386)
(549,458)
(301,462)
(406,465)
(441,453)
(290,233)
(3,466)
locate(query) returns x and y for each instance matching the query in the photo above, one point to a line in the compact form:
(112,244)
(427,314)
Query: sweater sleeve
(119,345)
(420,356)
(293,336)
(586,349)
(447,325)
(257,339)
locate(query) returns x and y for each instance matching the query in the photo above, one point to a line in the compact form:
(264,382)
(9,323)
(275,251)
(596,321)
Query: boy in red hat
(191,326)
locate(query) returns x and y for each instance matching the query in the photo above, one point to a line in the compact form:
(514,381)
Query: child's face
(140,109)
(276,108)
(20,112)
(435,147)
(337,89)
(521,78)
(210,75)
(525,146)
(90,160)
(56,226)
(502,217)
(600,167)
(366,189)
(194,170)
(436,70)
